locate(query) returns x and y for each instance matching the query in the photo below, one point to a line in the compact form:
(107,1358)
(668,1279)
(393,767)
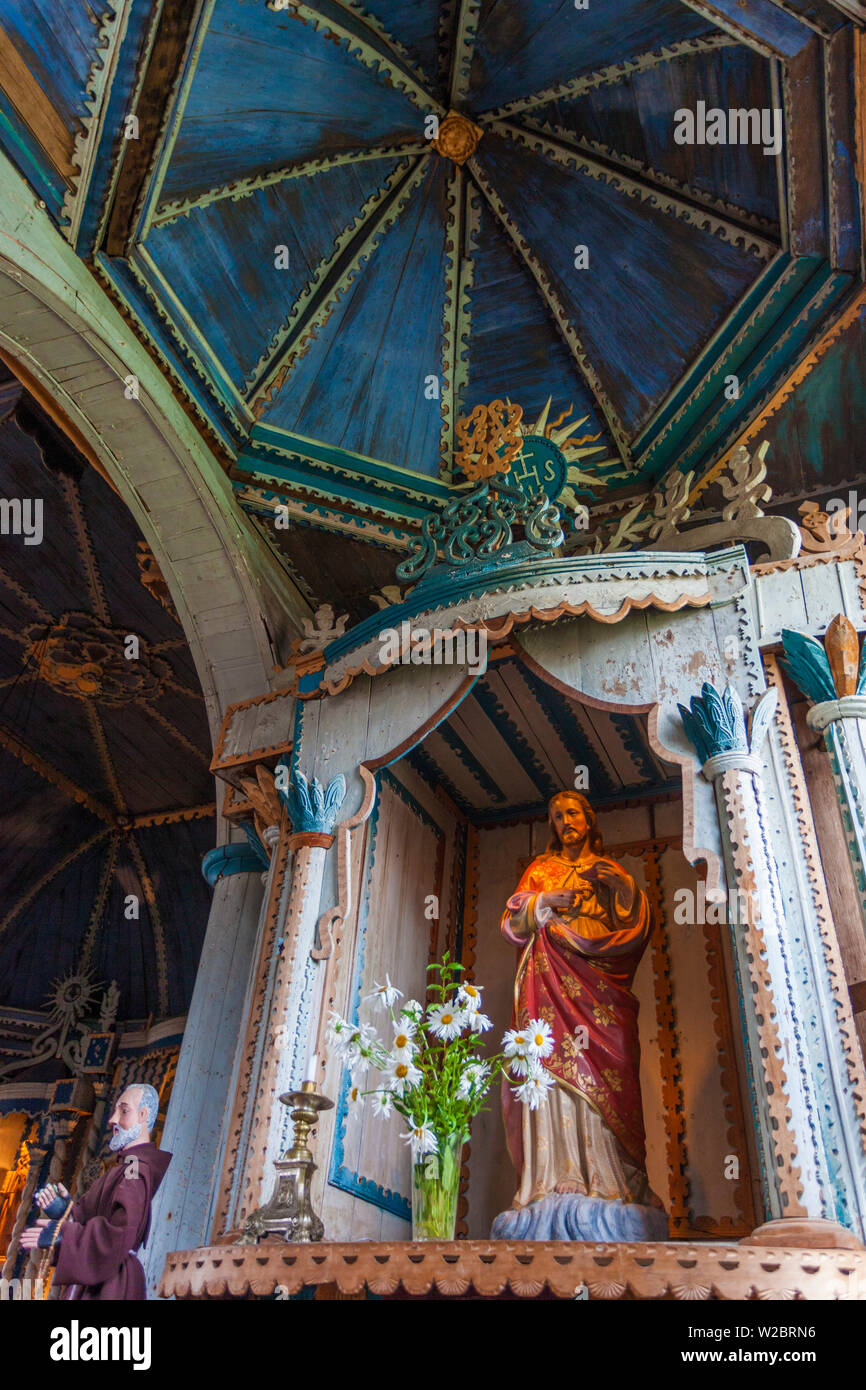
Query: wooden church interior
(251,305)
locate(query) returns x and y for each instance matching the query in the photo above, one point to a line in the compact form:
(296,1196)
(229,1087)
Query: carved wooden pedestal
(521,1269)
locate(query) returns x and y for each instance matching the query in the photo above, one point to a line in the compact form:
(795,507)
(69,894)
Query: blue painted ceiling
(331,293)
(103,760)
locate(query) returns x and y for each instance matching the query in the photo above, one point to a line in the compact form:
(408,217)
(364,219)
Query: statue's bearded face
(126,1120)
(569,821)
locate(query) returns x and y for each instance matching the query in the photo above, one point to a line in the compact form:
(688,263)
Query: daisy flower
(339,1030)
(385,995)
(479,1022)
(382,1103)
(412,1012)
(403,1045)
(533,1091)
(401,1075)
(469,998)
(516,1043)
(446,1021)
(472,1080)
(355,1096)
(422,1139)
(541,1040)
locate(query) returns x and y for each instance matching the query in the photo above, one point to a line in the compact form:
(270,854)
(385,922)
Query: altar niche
(456,821)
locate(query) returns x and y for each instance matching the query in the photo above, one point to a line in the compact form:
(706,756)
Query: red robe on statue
(108,1224)
(576,972)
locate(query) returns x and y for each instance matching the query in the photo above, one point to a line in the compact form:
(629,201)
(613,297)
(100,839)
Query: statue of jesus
(583,924)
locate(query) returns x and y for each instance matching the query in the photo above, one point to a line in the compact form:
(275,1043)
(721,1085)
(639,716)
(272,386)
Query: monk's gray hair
(149,1101)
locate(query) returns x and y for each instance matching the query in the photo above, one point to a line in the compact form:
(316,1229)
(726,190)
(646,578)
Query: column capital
(715,724)
(312,838)
(735,760)
(830,671)
(312,808)
(827,711)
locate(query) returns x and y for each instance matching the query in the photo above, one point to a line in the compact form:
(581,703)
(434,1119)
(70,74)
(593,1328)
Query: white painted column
(843,724)
(193,1127)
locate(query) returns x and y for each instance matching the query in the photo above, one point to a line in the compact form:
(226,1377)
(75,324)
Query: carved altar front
(523,1269)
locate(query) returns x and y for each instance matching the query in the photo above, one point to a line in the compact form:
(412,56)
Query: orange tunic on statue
(576,972)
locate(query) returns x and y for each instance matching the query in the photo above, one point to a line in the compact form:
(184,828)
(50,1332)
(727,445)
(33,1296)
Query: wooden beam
(803,87)
(761,24)
(34,108)
(170,44)
(843,105)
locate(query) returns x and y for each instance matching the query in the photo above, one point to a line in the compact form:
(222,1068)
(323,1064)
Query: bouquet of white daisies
(432,1072)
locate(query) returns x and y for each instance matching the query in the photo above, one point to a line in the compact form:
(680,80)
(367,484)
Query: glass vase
(435,1186)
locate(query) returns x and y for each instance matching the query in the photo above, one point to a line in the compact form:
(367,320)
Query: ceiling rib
(567,150)
(560,316)
(370,43)
(308,168)
(52,872)
(177,28)
(356,243)
(604,77)
(465,31)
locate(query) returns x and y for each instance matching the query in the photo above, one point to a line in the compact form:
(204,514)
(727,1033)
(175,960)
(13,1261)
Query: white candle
(312,1068)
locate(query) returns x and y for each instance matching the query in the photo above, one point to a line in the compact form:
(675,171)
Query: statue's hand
(558,901)
(605,872)
(53,1200)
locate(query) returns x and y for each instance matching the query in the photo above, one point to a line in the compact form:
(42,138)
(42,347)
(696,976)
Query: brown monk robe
(107,1224)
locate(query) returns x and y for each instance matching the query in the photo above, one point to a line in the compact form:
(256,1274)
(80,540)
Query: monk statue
(583,925)
(95,1238)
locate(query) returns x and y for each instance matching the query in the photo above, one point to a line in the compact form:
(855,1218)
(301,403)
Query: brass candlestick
(289,1213)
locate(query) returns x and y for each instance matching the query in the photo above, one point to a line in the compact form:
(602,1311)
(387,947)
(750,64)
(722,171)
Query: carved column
(796,1177)
(275,1044)
(193,1131)
(834,677)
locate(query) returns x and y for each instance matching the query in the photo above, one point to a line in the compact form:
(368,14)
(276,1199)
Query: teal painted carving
(540,465)
(234,859)
(715,723)
(478,524)
(311,806)
(808,665)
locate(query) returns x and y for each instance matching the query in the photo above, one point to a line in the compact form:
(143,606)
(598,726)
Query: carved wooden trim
(255,754)
(254,1022)
(844,1020)
(303,864)
(732,1097)
(775,1080)
(467,956)
(671,1067)
(310,839)
(499,628)
(523,1268)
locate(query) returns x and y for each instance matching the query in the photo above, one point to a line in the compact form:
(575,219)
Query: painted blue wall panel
(219,259)
(635,117)
(58,41)
(656,289)
(515,346)
(269,90)
(415,26)
(361,383)
(525,46)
